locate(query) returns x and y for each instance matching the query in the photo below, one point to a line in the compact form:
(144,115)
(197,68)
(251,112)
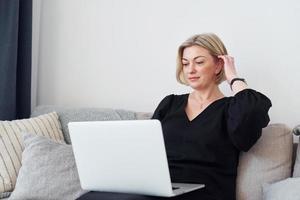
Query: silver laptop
(125,156)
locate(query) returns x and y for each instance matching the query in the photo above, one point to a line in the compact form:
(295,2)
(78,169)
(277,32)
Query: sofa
(269,170)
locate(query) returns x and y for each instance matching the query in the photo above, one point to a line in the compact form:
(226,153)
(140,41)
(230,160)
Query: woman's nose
(191,68)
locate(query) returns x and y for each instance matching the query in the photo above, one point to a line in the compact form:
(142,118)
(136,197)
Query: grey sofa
(272,159)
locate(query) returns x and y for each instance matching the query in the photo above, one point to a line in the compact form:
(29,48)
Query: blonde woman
(205,131)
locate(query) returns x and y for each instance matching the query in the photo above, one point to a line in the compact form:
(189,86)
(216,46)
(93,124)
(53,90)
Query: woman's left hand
(229,68)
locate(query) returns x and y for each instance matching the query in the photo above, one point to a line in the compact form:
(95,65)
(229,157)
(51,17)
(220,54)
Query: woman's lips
(193,78)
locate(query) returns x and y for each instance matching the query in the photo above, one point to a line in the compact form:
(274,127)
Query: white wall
(121,53)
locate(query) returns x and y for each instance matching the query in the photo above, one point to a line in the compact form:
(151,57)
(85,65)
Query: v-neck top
(186,96)
(206,149)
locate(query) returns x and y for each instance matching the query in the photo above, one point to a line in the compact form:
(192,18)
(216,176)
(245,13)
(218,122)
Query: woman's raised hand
(229,68)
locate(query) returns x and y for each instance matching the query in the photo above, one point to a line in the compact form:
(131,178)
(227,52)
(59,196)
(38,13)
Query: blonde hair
(209,41)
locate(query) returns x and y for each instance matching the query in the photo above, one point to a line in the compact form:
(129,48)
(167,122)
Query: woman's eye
(199,63)
(185,64)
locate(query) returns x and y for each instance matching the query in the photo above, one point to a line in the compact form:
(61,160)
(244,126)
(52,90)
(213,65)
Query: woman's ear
(219,66)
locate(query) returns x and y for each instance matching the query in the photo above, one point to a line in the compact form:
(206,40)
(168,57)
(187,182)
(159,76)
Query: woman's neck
(209,94)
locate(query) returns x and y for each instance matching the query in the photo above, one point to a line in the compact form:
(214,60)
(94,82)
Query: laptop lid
(121,156)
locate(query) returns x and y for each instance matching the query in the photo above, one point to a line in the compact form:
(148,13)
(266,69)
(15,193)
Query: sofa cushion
(296,171)
(143,115)
(287,189)
(48,171)
(269,160)
(67,115)
(11,144)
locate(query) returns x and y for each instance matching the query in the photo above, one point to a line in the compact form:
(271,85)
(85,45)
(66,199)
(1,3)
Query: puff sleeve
(247,114)
(162,108)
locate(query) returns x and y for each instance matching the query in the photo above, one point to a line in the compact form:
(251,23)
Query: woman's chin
(195,85)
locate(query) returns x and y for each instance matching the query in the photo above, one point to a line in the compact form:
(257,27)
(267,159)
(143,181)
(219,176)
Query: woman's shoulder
(168,103)
(173,100)
(175,97)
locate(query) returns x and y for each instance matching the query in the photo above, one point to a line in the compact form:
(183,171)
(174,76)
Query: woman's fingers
(226,58)
(229,67)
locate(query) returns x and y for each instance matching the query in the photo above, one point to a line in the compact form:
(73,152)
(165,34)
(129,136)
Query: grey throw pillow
(48,171)
(287,189)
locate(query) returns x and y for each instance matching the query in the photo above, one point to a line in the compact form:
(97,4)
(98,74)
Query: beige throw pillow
(11,143)
(268,161)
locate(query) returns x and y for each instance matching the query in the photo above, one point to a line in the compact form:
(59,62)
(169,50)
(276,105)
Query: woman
(204,131)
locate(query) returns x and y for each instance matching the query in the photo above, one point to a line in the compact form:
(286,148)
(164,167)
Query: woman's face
(199,67)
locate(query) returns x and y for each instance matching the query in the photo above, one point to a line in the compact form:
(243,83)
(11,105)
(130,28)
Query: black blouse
(206,149)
